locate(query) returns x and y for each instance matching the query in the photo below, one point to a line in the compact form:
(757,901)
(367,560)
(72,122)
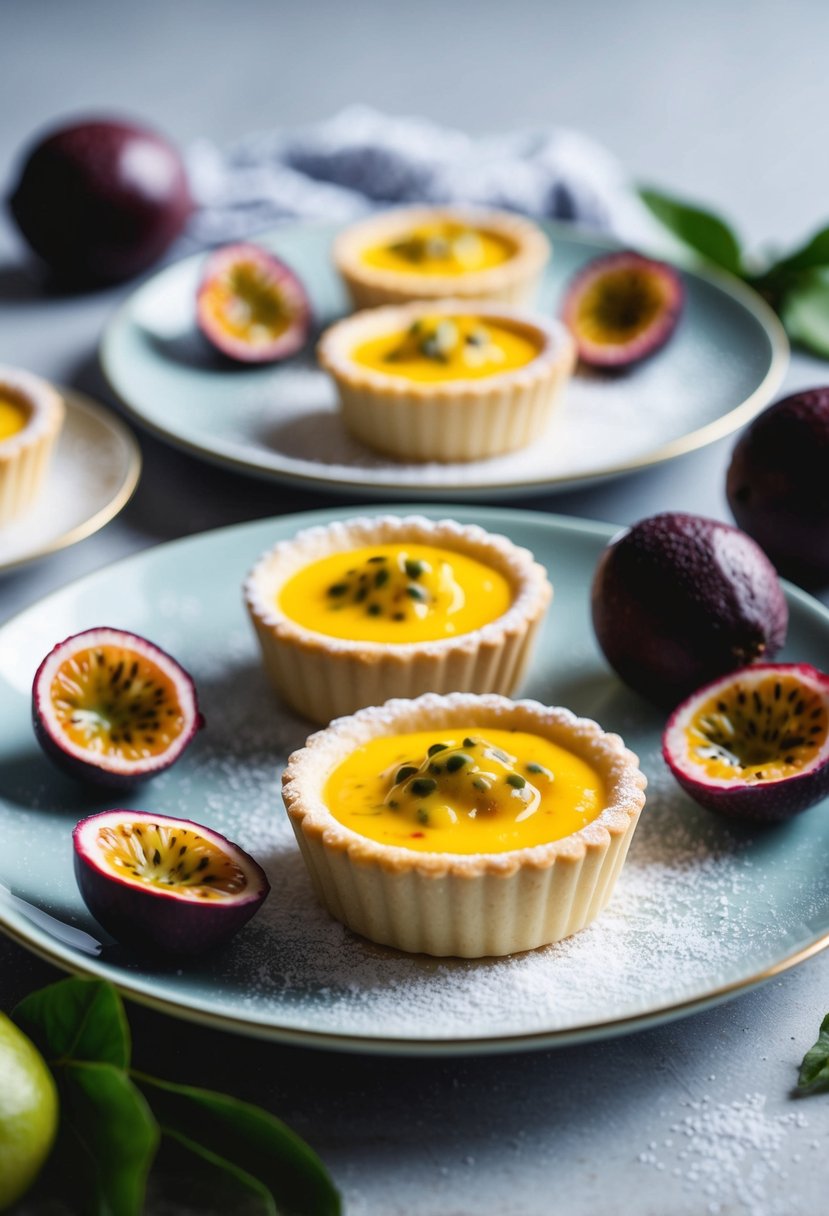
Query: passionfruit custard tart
(445,382)
(369,608)
(464,825)
(31,418)
(427,253)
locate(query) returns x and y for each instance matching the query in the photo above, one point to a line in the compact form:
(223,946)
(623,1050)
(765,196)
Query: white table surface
(725,106)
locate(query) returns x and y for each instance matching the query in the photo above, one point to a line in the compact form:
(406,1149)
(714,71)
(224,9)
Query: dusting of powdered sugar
(693,910)
(728,1154)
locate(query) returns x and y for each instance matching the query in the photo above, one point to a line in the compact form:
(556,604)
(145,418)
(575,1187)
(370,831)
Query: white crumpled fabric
(361,159)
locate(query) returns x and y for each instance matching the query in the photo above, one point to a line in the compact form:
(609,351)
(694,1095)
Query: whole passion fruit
(162,883)
(678,600)
(622,307)
(100,201)
(755,743)
(251,306)
(111,708)
(778,484)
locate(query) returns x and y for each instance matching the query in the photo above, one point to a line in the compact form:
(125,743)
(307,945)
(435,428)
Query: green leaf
(257,1143)
(804,312)
(814,1071)
(700,230)
(241,1177)
(77,1019)
(814,253)
(117,1134)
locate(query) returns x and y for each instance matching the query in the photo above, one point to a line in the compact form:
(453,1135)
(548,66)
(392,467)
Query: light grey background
(722,102)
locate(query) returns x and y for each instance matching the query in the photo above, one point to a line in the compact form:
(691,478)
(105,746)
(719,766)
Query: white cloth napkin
(361,159)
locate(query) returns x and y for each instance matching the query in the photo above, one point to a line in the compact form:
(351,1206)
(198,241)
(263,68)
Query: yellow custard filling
(470,790)
(13,417)
(449,348)
(395,593)
(442,248)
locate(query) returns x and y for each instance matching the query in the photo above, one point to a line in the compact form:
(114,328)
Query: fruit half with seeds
(251,306)
(112,708)
(622,307)
(754,744)
(157,882)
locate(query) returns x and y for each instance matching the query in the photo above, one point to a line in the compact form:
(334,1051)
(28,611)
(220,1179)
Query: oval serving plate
(703,909)
(95,469)
(724,363)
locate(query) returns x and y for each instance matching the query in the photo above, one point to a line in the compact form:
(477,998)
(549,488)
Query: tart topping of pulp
(116,701)
(449,348)
(442,248)
(761,731)
(163,856)
(13,416)
(472,790)
(395,593)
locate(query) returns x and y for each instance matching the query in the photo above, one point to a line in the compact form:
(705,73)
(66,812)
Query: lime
(28,1112)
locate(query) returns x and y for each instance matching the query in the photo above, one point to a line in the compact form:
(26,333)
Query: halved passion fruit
(754,744)
(251,306)
(622,307)
(158,882)
(112,708)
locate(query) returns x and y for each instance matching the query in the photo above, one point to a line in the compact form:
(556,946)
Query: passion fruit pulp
(251,306)
(622,307)
(755,743)
(112,708)
(678,600)
(778,484)
(163,883)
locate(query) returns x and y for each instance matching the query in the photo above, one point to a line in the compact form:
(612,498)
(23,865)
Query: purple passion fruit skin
(621,308)
(678,600)
(251,307)
(100,201)
(162,884)
(778,485)
(113,709)
(754,744)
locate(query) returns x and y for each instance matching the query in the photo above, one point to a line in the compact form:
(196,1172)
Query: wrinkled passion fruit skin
(621,308)
(769,802)
(678,600)
(778,485)
(100,201)
(154,921)
(93,769)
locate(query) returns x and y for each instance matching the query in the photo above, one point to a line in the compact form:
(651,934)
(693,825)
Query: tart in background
(426,253)
(542,806)
(440,382)
(366,609)
(31,417)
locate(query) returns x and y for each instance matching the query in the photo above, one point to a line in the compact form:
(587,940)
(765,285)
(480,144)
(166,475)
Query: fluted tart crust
(468,905)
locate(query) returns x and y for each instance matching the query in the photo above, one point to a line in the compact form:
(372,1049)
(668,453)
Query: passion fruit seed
(755,743)
(111,707)
(622,307)
(477,776)
(387,587)
(163,883)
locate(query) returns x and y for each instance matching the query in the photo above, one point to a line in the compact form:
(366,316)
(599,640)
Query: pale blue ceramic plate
(723,364)
(702,910)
